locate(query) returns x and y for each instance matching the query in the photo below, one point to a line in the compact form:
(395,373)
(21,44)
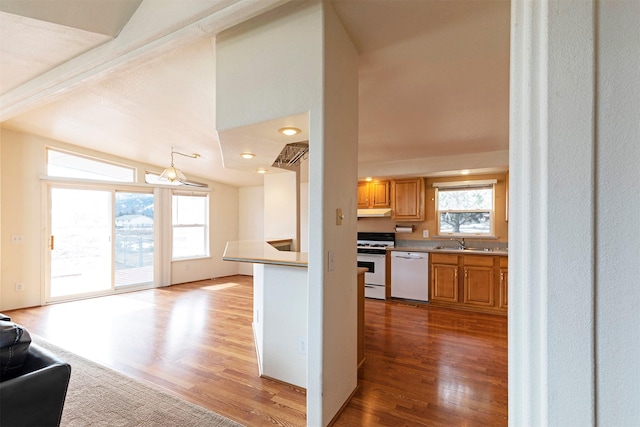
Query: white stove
(372,250)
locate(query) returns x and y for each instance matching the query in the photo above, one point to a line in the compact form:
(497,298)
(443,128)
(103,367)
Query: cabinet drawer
(504,262)
(444,258)
(375,292)
(478,260)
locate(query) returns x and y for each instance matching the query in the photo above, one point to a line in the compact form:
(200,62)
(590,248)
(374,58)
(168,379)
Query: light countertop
(263,253)
(479,251)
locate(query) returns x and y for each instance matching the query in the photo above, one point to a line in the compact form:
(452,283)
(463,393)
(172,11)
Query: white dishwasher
(410,275)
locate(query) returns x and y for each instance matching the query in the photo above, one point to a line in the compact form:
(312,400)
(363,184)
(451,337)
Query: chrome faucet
(462,245)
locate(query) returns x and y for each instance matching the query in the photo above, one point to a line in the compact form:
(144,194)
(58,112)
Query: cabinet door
(504,287)
(479,286)
(379,194)
(363,194)
(407,199)
(444,282)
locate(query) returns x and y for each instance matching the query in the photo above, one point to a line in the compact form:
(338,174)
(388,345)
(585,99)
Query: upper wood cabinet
(373,194)
(407,199)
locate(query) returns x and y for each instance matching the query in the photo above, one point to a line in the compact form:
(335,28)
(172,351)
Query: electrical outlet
(302,345)
(425,234)
(17,238)
(19,287)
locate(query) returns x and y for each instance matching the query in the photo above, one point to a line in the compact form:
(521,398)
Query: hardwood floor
(425,366)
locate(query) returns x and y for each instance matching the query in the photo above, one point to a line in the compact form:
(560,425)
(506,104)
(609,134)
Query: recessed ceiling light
(262,170)
(368,179)
(465,172)
(289,131)
(247,155)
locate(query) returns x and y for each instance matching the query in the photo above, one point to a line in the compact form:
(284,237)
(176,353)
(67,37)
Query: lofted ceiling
(133,78)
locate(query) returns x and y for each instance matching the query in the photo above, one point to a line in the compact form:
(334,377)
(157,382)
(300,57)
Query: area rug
(99,396)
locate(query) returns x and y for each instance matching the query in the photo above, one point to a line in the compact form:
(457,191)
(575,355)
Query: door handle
(51,242)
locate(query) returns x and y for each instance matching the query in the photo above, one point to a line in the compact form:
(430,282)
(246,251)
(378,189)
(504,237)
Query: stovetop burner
(375,242)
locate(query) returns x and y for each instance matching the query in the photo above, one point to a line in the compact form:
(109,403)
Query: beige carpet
(99,396)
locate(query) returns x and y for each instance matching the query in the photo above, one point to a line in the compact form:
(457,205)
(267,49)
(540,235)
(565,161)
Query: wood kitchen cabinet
(444,278)
(407,199)
(504,282)
(360,299)
(373,194)
(479,284)
(469,282)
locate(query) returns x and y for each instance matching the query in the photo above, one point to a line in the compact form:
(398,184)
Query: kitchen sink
(444,248)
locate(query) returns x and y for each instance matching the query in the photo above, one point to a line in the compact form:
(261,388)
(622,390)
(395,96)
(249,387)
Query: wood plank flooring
(425,366)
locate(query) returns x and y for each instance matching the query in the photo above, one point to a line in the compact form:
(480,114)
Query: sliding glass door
(101,241)
(134,239)
(80,242)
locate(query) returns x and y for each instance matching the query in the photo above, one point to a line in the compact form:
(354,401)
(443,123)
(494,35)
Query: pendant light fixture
(172,173)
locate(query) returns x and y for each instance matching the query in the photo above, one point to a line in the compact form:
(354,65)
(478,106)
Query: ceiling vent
(291,154)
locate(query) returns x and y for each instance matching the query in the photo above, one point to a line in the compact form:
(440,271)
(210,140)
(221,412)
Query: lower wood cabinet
(504,282)
(479,283)
(360,299)
(444,278)
(469,282)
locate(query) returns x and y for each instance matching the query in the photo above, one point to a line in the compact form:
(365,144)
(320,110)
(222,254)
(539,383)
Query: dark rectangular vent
(291,155)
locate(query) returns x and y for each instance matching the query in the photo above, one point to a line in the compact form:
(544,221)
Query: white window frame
(91,176)
(467,185)
(205,226)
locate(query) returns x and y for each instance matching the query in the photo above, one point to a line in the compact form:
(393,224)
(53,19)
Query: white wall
(299,59)
(304,217)
(24,160)
(574,236)
(333,185)
(617,198)
(22,163)
(284,323)
(251,220)
(281,207)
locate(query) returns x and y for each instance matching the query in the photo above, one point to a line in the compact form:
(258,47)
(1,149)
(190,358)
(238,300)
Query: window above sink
(465,208)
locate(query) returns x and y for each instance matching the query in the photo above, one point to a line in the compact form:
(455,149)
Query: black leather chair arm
(36,397)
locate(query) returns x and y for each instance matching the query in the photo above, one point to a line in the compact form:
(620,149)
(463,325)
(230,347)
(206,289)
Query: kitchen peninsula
(279,308)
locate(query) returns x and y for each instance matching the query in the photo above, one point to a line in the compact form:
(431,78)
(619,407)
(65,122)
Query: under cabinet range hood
(374,213)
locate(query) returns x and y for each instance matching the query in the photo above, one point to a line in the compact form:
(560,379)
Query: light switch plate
(425,233)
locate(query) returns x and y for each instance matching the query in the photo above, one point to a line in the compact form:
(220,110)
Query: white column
(552,214)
